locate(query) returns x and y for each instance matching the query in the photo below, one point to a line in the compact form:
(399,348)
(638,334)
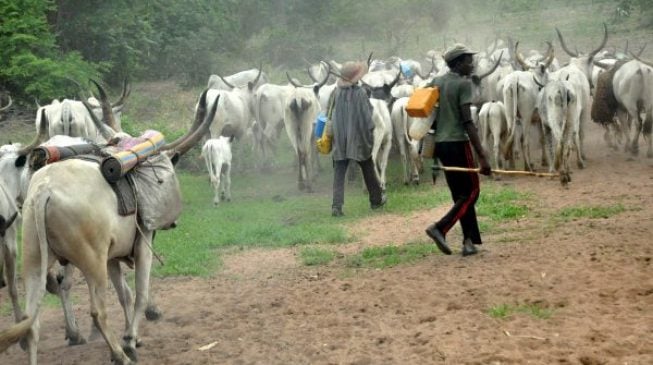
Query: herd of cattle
(518,98)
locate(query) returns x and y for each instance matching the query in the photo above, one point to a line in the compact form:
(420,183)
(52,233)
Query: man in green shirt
(455,135)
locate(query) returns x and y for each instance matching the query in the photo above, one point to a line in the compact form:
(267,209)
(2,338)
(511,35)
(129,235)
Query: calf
(217,154)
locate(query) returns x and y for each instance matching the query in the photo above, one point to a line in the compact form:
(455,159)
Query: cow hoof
(23,344)
(76,339)
(131,353)
(2,283)
(152,313)
(581,165)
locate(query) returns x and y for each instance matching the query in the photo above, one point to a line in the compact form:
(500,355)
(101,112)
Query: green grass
(592,212)
(389,256)
(535,310)
(312,256)
(267,210)
(49,301)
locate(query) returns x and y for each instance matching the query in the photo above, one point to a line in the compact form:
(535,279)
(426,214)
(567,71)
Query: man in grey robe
(353,136)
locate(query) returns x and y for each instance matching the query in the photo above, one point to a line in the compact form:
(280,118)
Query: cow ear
(20,161)
(250,85)
(476,80)
(316,90)
(174,159)
(231,138)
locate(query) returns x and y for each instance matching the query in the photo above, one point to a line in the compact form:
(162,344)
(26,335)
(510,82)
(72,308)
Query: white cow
(493,125)
(235,109)
(520,97)
(560,112)
(408,147)
(633,89)
(382,139)
(269,106)
(55,228)
(300,112)
(217,155)
(239,79)
(71,118)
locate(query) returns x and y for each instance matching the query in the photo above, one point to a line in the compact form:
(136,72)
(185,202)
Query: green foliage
(31,64)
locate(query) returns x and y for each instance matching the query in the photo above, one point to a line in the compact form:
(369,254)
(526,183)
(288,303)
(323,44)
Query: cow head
(317,85)
(583,62)
(382,92)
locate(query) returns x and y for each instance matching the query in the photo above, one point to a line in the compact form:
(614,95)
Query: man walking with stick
(455,135)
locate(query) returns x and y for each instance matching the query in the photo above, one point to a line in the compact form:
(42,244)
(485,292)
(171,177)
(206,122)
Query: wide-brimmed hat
(351,72)
(456,51)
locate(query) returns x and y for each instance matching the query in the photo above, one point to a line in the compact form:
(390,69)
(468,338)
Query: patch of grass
(49,301)
(535,310)
(502,204)
(592,212)
(313,256)
(389,256)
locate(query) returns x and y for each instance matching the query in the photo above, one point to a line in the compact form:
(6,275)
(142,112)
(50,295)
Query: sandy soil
(595,275)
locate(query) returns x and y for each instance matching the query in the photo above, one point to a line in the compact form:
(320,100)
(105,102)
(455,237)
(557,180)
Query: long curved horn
(601,64)
(496,64)
(8,105)
(310,74)
(226,82)
(639,54)
(520,58)
(369,59)
(600,47)
(396,80)
(40,135)
(326,77)
(647,63)
(433,69)
(550,55)
(126,90)
(293,81)
(107,112)
(105,130)
(564,45)
(200,131)
(258,76)
(200,114)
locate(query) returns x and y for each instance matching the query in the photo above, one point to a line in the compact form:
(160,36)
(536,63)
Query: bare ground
(265,308)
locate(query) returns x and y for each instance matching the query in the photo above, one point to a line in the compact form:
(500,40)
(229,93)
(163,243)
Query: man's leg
(339,172)
(372,183)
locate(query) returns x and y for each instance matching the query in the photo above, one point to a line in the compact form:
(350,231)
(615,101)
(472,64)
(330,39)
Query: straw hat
(351,72)
(456,51)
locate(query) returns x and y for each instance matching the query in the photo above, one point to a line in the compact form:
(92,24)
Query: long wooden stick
(500,172)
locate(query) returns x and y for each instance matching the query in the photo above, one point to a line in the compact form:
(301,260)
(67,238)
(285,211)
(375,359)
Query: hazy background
(168,48)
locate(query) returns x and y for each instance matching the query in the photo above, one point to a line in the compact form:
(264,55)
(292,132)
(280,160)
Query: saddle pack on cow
(605,103)
(144,181)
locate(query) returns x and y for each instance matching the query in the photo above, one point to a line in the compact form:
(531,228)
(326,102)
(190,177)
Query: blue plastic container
(320,122)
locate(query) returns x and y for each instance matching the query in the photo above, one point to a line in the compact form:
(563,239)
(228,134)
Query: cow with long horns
(55,228)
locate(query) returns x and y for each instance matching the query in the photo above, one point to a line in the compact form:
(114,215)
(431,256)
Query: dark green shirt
(455,91)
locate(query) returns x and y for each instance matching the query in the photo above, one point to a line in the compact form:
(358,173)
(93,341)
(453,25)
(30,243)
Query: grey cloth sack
(157,192)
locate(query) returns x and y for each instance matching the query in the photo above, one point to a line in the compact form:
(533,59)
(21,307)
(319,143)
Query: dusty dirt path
(595,275)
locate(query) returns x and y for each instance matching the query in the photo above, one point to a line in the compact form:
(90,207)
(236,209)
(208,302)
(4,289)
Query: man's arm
(470,128)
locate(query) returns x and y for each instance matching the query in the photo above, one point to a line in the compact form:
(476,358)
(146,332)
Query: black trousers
(464,187)
(371,182)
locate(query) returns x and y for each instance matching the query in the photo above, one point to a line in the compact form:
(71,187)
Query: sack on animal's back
(157,192)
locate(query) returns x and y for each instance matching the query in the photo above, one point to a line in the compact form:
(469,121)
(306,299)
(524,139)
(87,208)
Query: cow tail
(19,330)
(508,145)
(404,118)
(14,333)
(647,128)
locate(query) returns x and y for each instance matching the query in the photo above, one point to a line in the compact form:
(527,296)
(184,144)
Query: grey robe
(352,124)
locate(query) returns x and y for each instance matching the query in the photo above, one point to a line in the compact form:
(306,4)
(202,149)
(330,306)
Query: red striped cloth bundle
(131,152)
